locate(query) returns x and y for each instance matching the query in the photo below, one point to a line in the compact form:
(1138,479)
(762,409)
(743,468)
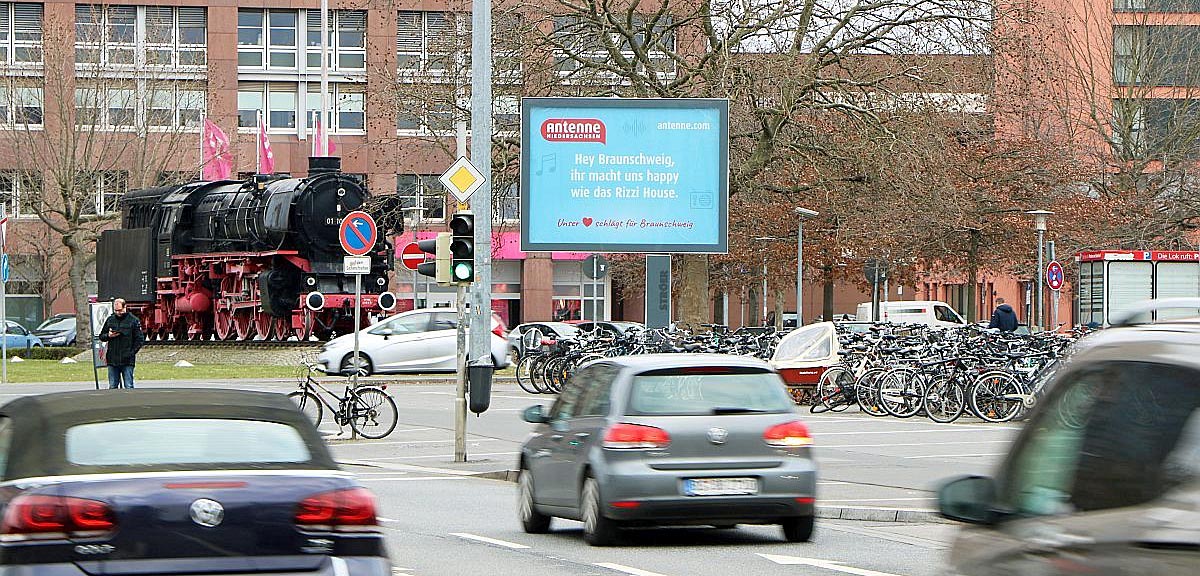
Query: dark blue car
(166,481)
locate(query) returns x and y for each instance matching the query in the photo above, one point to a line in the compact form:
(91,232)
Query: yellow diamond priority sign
(462,179)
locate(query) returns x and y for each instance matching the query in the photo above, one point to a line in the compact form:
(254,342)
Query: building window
(139,104)
(270,39)
(583,48)
(506,113)
(180,106)
(425,41)
(279,110)
(109,186)
(20,33)
(159,36)
(507,203)
(21,106)
(424,191)
(20,191)
(347,107)
(106,106)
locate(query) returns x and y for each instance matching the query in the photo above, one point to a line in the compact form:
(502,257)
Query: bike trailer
(806,353)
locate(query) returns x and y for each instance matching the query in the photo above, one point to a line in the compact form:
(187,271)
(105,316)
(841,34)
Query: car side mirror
(535,415)
(970,499)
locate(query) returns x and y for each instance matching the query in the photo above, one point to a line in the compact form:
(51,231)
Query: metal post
(323,145)
(764,293)
(1040,279)
(481,200)
(4,303)
(800,274)
(460,380)
(357,325)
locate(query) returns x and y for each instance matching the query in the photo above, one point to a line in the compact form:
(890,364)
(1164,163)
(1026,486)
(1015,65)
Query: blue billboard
(624,175)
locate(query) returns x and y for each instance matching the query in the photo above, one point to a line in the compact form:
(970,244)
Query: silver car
(669,439)
(414,341)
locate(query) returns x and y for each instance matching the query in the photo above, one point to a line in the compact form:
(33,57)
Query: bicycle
(368,410)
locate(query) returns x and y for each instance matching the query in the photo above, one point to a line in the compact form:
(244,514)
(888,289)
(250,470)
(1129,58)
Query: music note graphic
(547,159)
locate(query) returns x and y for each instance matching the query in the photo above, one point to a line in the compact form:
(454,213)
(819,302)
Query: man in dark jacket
(123,333)
(1004,317)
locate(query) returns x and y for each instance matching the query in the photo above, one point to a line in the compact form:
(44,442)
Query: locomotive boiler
(242,260)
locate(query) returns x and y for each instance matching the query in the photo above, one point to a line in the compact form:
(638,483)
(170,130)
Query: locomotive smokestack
(323,164)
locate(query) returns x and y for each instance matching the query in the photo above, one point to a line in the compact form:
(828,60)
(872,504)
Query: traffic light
(462,248)
(439,269)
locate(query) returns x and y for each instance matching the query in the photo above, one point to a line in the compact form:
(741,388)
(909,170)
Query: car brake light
(788,435)
(47,516)
(636,437)
(498,330)
(351,507)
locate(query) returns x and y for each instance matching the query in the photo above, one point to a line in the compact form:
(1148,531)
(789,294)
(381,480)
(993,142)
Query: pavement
(871,469)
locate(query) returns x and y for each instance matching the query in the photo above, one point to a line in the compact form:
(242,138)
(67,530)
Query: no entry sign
(411,256)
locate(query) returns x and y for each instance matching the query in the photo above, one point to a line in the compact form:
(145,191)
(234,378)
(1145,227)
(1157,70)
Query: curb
(859,513)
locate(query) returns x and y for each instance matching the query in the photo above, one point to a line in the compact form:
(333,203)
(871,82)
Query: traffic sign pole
(358,235)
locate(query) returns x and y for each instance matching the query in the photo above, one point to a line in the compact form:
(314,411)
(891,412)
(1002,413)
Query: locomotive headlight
(387,301)
(314,301)
(310,281)
(381,281)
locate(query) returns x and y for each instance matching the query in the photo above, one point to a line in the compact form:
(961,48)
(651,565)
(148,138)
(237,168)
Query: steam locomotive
(253,259)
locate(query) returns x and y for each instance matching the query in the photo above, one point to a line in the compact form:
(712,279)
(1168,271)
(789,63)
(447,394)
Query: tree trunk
(972,278)
(779,308)
(827,308)
(77,273)
(694,308)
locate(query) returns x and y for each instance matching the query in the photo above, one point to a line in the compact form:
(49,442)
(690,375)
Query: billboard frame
(720,105)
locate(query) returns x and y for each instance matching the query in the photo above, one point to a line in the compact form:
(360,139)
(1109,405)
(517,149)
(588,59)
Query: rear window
(700,391)
(159,442)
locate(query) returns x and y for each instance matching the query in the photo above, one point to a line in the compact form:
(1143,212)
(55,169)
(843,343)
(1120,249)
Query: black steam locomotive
(242,259)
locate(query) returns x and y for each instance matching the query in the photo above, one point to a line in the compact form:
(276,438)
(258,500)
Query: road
(440,520)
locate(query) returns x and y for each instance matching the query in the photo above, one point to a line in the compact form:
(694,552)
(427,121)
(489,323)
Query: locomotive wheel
(281,328)
(262,325)
(305,330)
(243,323)
(223,324)
(180,331)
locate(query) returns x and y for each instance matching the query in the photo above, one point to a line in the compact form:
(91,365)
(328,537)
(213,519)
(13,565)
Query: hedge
(45,353)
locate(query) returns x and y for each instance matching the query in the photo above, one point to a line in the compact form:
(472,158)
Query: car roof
(1172,342)
(644,362)
(39,423)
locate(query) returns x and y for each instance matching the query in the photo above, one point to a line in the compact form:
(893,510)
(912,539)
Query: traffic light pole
(481,200)
(460,389)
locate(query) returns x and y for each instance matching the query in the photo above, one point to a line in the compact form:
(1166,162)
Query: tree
(115,120)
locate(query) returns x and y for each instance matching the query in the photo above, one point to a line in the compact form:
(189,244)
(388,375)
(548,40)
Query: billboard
(624,175)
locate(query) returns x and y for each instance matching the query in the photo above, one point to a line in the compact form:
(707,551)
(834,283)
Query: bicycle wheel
(373,414)
(866,391)
(901,393)
(524,378)
(944,400)
(996,396)
(831,390)
(309,404)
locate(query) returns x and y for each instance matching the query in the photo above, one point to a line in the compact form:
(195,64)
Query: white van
(927,312)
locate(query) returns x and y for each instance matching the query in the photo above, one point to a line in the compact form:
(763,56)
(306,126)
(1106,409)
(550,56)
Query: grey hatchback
(669,439)
(1105,477)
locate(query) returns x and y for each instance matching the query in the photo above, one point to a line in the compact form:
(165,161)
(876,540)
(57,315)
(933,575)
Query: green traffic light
(463,271)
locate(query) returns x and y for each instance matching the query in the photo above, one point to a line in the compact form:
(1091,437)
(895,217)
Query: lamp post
(1039,222)
(803,214)
(764,273)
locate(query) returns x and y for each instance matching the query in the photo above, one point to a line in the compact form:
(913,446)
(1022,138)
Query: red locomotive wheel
(281,329)
(223,324)
(305,330)
(262,325)
(243,321)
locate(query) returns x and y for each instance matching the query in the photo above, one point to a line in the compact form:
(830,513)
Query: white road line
(398,442)
(833,483)
(915,444)
(884,535)
(531,397)
(819,435)
(627,569)
(413,478)
(382,519)
(439,456)
(486,540)
(877,500)
(954,455)
(438,393)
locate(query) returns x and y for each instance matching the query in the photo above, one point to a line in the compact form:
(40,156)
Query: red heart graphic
(587,221)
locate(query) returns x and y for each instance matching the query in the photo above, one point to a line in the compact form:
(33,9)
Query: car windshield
(707,391)
(168,441)
(67,323)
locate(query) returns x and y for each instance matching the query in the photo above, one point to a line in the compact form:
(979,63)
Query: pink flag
(319,136)
(266,158)
(215,147)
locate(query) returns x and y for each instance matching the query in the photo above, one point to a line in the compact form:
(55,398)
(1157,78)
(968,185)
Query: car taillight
(498,330)
(47,516)
(636,437)
(788,435)
(351,507)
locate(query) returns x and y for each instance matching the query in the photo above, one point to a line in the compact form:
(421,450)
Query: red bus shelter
(1112,280)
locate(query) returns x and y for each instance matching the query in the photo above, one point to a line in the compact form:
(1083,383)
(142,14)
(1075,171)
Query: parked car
(927,312)
(414,341)
(57,330)
(618,327)
(789,319)
(18,338)
(1105,476)
(668,439)
(177,481)
(549,330)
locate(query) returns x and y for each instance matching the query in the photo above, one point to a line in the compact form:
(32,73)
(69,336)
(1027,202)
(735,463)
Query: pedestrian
(123,333)
(1004,317)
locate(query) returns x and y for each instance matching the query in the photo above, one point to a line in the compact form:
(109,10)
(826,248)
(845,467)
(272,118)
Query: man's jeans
(118,373)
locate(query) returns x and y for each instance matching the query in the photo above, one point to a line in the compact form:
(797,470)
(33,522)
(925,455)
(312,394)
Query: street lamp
(764,271)
(1039,222)
(804,214)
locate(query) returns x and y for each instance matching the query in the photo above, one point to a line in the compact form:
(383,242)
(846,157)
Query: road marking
(382,519)
(955,455)
(438,393)
(826,564)
(399,442)
(884,535)
(486,540)
(413,478)
(627,569)
(877,500)
(915,444)
(440,456)
(833,483)
(819,435)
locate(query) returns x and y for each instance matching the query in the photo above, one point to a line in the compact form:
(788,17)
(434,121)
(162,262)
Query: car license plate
(720,486)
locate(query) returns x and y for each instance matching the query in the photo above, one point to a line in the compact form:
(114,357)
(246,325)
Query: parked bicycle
(368,410)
